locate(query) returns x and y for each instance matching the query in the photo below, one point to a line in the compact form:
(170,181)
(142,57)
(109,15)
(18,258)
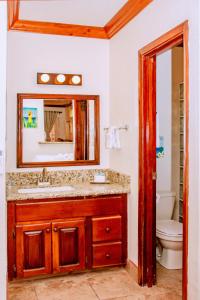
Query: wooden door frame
(147,159)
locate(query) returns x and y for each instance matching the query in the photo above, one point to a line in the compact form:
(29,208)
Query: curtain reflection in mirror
(50,118)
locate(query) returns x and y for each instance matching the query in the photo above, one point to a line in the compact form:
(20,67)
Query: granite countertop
(79,189)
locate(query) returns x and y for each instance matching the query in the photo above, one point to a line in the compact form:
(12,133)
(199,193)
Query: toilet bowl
(169,235)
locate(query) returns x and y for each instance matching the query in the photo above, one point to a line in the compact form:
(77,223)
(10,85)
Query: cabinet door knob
(48,230)
(107,229)
(107,255)
(55,229)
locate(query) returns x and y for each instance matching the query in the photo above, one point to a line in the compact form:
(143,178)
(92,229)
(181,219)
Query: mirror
(57,130)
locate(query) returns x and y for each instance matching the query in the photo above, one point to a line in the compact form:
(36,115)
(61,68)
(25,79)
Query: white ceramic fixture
(51,189)
(169,232)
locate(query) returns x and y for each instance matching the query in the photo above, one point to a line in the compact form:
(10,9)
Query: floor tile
(131,297)
(170,279)
(22,292)
(60,289)
(113,284)
(166,296)
(119,284)
(110,284)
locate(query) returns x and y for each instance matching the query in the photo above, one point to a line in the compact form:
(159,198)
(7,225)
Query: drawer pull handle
(107,229)
(55,229)
(48,230)
(107,255)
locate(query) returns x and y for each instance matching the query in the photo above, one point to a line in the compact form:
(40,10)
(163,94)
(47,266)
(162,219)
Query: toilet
(169,232)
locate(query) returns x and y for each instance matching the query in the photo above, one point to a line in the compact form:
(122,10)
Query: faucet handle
(44,172)
(44,179)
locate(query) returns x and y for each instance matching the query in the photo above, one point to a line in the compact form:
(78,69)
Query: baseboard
(132,269)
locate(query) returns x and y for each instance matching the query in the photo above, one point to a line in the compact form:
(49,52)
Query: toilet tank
(165,205)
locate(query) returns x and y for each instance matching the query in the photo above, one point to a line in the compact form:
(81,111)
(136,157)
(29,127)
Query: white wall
(31,53)
(198,133)
(155,20)
(164,111)
(3,226)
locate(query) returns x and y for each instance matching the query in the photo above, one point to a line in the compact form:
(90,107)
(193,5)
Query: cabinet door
(33,249)
(68,240)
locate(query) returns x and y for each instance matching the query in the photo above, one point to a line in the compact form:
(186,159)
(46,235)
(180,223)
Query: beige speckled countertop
(79,180)
(80,189)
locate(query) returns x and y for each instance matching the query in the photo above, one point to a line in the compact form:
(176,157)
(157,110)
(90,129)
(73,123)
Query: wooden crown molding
(59,29)
(125,15)
(121,18)
(13,12)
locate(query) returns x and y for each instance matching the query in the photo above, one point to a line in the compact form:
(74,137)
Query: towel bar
(119,128)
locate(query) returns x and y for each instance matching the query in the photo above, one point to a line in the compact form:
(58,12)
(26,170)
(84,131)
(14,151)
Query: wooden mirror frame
(21,164)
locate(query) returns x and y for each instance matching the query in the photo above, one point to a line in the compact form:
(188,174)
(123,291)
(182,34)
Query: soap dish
(99,182)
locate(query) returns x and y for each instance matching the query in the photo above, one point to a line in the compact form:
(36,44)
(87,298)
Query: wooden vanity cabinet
(50,236)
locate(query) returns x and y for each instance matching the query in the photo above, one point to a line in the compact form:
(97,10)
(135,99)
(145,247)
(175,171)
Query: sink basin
(49,189)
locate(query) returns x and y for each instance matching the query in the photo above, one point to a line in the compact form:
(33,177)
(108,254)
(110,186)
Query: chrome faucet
(44,174)
(45,180)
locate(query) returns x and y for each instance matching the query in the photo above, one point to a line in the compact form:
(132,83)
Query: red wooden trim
(147,166)
(141,175)
(13,12)
(166,41)
(147,146)
(60,29)
(124,15)
(150,163)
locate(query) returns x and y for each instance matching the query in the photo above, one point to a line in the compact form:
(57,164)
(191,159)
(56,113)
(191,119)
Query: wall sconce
(59,79)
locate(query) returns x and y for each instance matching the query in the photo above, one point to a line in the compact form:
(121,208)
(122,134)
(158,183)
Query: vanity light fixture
(59,79)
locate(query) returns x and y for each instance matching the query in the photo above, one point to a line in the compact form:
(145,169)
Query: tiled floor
(114,284)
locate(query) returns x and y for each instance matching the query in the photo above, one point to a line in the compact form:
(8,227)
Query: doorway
(147,154)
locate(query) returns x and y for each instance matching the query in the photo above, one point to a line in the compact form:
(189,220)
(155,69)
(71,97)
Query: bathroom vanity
(52,234)
(70,225)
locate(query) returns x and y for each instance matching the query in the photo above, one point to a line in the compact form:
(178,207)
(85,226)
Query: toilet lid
(169,227)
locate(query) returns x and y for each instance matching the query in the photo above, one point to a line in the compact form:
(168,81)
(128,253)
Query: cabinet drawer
(107,254)
(106,228)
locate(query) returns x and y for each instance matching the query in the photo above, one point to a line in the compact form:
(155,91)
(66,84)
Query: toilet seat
(170,230)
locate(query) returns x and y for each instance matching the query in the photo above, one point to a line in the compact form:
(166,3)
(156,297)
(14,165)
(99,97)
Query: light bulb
(60,78)
(76,79)
(45,78)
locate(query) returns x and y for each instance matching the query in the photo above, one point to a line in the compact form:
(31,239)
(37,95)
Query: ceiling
(84,18)
(82,12)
